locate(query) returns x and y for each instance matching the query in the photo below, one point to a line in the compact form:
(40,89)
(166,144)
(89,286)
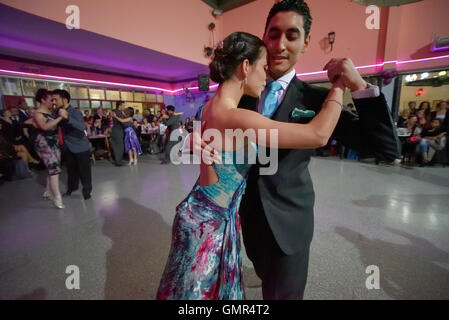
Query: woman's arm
(43,124)
(314,134)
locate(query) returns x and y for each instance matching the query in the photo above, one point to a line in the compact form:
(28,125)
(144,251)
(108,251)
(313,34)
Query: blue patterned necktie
(270,103)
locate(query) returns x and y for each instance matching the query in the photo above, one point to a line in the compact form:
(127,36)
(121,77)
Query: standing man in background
(76,149)
(117,135)
(171,121)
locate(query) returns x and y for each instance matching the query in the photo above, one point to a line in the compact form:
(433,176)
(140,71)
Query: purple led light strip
(195,88)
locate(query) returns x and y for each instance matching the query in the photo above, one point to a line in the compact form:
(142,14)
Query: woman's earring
(246,79)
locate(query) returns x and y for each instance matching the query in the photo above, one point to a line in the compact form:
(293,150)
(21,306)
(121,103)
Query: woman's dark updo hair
(237,47)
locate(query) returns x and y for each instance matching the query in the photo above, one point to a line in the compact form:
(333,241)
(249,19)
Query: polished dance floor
(393,218)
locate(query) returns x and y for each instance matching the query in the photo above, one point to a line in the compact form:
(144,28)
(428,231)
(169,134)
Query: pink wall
(349,26)
(400,35)
(179,28)
(419,21)
(174,27)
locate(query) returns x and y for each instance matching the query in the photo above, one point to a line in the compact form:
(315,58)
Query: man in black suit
(76,149)
(277,210)
(171,120)
(117,135)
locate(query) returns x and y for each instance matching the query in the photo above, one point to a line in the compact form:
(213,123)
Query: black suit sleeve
(76,120)
(172,121)
(371,131)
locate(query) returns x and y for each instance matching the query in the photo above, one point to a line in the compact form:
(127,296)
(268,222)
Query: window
(106,104)
(127,96)
(57,85)
(11,86)
(139,96)
(77,92)
(95,104)
(84,104)
(74,103)
(96,93)
(151,97)
(29,102)
(112,95)
(30,87)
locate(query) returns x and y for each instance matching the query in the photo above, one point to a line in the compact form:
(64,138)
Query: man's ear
(306,44)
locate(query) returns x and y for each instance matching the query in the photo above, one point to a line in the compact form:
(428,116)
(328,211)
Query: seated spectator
(441,114)
(10,126)
(89,125)
(412,107)
(433,140)
(412,122)
(100,114)
(87,116)
(30,130)
(188,125)
(11,131)
(97,127)
(402,121)
(424,107)
(410,146)
(145,126)
(137,116)
(11,151)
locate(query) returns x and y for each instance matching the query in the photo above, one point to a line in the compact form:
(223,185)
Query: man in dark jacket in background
(76,149)
(171,120)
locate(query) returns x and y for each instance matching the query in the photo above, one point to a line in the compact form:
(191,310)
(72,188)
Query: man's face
(285,41)
(57,101)
(435,123)
(170,112)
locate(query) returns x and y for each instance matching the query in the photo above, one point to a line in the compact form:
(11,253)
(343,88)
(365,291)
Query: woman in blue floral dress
(205,257)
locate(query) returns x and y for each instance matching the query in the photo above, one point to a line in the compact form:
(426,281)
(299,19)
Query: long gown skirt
(205,261)
(131,141)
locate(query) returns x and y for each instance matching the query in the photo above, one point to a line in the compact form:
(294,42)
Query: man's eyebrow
(290,30)
(294,30)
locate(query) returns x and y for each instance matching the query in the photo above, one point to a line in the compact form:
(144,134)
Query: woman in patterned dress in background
(46,145)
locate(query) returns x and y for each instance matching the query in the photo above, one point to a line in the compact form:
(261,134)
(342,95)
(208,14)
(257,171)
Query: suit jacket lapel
(293,98)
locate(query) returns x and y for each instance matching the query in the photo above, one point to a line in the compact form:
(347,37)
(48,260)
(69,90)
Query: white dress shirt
(370,92)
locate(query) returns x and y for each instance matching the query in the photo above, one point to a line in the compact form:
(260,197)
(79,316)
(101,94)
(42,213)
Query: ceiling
(33,38)
(226,5)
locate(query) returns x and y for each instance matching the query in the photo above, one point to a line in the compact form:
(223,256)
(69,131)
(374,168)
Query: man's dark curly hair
(298,6)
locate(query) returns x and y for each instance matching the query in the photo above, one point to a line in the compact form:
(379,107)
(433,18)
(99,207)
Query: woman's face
(257,76)
(413,119)
(47,102)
